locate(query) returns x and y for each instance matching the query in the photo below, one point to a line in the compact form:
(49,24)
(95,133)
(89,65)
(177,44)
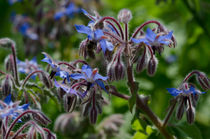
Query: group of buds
(187,95)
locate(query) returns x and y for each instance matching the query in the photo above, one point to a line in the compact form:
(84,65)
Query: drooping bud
(6,86)
(82,48)
(124,16)
(68,122)
(70,102)
(93,115)
(61,93)
(86,109)
(152,65)
(8,62)
(190,113)
(41,118)
(180,108)
(116,68)
(142,62)
(194,99)
(203,81)
(6,42)
(45,79)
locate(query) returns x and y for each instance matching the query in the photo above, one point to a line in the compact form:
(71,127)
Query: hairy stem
(169,113)
(141,105)
(143,25)
(28,77)
(15,64)
(16,120)
(114,36)
(116,22)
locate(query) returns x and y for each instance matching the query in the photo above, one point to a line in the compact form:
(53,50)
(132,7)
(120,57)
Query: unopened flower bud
(7,86)
(6,42)
(124,16)
(9,63)
(68,122)
(203,81)
(82,48)
(61,93)
(93,115)
(69,102)
(180,108)
(152,65)
(142,62)
(190,113)
(116,68)
(86,108)
(45,79)
(41,118)
(194,99)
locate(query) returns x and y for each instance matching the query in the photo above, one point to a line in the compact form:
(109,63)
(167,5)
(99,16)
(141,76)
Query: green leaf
(140,135)
(131,102)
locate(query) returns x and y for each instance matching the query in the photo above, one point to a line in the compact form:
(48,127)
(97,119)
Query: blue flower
(95,35)
(28,66)
(91,76)
(175,92)
(153,39)
(56,70)
(69,11)
(11,2)
(10,109)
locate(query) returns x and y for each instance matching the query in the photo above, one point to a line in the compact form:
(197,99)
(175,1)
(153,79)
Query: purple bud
(116,68)
(46,80)
(124,16)
(68,122)
(93,115)
(86,108)
(152,65)
(9,63)
(180,108)
(194,99)
(203,81)
(190,113)
(7,86)
(41,118)
(61,93)
(142,62)
(70,102)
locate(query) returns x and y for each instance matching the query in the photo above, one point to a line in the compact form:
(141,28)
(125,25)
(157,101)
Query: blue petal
(84,29)
(59,15)
(103,45)
(87,70)
(98,76)
(101,84)
(24,106)
(77,76)
(150,35)
(173,91)
(140,41)
(47,60)
(98,34)
(7,100)
(109,46)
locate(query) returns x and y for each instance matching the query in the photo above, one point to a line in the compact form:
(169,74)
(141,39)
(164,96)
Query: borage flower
(10,109)
(56,70)
(91,77)
(156,41)
(95,36)
(187,96)
(69,11)
(28,67)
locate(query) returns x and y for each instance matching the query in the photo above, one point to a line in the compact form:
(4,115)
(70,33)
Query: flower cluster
(187,95)
(84,84)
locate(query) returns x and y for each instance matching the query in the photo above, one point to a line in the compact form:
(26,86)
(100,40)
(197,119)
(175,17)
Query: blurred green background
(189,19)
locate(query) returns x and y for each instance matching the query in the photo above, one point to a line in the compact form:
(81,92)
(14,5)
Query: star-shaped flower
(90,76)
(10,109)
(153,39)
(95,35)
